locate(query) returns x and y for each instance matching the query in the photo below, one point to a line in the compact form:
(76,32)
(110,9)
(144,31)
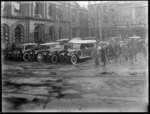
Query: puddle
(16,102)
(106,73)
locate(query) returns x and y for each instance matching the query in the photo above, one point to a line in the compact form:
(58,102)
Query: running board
(84,57)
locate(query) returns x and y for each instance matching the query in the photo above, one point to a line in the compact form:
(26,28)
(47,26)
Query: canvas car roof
(62,40)
(83,41)
(50,43)
(135,37)
(28,44)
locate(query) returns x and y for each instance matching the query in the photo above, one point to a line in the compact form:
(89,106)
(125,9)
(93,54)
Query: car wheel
(26,57)
(54,59)
(39,57)
(73,59)
(93,55)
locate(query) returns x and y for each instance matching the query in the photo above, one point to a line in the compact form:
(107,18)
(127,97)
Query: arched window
(38,34)
(50,10)
(52,33)
(60,32)
(5,38)
(19,34)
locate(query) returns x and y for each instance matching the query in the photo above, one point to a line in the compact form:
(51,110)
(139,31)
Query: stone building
(39,22)
(119,18)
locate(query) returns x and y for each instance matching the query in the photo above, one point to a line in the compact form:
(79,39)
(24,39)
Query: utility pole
(100,29)
(57,20)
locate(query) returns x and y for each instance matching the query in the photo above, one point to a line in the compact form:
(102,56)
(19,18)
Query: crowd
(129,48)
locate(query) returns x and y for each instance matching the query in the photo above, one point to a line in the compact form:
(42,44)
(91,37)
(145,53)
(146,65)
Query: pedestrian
(144,49)
(112,52)
(125,51)
(103,55)
(97,54)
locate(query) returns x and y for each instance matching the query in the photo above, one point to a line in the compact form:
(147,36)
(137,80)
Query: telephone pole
(100,29)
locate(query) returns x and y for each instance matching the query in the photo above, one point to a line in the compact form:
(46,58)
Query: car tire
(73,59)
(26,57)
(54,58)
(93,54)
(39,57)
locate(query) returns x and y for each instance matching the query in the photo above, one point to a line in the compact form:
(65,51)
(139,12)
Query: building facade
(121,19)
(39,22)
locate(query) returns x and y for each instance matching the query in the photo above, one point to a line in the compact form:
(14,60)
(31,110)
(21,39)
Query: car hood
(71,50)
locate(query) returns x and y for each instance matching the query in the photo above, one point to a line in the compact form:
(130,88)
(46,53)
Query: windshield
(58,46)
(29,47)
(44,47)
(76,46)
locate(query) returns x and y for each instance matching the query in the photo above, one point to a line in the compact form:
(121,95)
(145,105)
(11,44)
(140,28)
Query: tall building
(119,18)
(41,22)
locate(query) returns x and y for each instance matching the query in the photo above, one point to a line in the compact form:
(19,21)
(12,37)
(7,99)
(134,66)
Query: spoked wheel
(73,59)
(54,59)
(39,57)
(26,57)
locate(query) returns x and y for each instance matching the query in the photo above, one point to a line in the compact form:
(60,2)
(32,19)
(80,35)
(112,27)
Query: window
(17,6)
(112,7)
(2,5)
(93,22)
(74,15)
(5,34)
(105,20)
(113,20)
(50,10)
(92,10)
(60,32)
(105,9)
(37,8)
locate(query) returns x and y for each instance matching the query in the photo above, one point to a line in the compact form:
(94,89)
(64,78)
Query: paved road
(43,86)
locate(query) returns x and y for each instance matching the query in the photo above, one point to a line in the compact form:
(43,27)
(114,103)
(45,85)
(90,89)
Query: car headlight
(35,52)
(31,53)
(45,53)
(18,52)
(68,54)
(50,54)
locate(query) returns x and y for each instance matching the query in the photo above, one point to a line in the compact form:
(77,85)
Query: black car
(44,51)
(21,51)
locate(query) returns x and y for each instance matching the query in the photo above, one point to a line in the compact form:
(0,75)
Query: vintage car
(20,51)
(42,52)
(47,51)
(77,49)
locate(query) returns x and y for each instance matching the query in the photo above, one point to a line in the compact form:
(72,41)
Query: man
(125,51)
(112,51)
(103,55)
(96,54)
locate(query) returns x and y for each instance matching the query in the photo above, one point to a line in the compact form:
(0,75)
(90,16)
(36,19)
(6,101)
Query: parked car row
(61,50)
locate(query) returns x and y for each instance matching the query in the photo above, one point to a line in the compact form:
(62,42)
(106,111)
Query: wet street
(43,86)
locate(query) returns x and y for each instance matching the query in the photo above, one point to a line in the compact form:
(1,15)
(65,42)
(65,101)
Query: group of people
(130,49)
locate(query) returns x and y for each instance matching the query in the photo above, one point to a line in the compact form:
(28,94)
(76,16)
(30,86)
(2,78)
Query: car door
(83,50)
